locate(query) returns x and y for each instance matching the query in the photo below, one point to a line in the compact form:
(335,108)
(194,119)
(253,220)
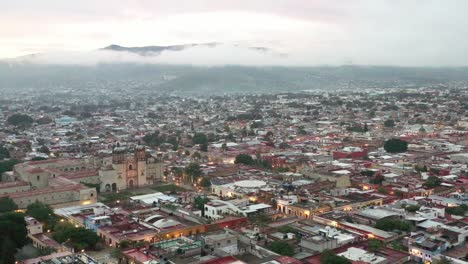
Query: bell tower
(141,158)
(118,155)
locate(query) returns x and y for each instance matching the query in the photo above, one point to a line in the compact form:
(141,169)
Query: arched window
(130,167)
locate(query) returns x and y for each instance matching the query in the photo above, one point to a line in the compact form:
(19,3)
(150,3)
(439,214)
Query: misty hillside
(216,80)
(154,50)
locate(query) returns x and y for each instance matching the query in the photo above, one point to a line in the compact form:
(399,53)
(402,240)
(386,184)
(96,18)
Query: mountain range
(27,73)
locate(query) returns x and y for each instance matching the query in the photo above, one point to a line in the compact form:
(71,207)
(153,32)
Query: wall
(318,246)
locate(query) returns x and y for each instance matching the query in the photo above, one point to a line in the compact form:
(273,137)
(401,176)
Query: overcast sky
(378,32)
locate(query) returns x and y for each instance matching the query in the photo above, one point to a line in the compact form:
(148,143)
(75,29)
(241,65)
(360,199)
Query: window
(38,177)
(92,194)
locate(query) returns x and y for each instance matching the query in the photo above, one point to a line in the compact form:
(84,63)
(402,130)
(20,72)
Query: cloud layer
(311,32)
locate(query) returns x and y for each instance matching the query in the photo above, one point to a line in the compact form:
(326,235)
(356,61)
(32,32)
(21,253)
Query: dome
(165,223)
(250,184)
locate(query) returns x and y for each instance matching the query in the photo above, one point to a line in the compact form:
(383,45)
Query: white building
(357,254)
(217,209)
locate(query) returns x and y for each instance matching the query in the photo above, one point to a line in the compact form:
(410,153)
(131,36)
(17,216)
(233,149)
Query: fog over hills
(156,50)
(208,68)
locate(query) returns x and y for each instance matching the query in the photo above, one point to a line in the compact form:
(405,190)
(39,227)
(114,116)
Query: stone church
(128,168)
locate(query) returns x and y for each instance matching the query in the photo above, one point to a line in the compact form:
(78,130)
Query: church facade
(127,169)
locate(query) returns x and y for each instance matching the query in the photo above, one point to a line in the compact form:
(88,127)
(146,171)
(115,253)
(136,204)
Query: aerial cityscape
(213,151)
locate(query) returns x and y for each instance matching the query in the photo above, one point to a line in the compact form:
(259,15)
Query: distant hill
(155,50)
(183,79)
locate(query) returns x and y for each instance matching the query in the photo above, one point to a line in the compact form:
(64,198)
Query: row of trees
(79,237)
(194,174)
(388,224)
(248,160)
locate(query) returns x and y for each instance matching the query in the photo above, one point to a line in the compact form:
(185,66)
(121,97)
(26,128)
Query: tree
(79,237)
(282,248)
(193,170)
(44,120)
(301,130)
(377,179)
(366,127)
(7,251)
(274,203)
(255,124)
(38,158)
(124,244)
(85,115)
(388,224)
(44,149)
(395,145)
(43,213)
(20,120)
(204,147)
(200,202)
(4,153)
(200,138)
(287,229)
(389,123)
(357,128)
(196,155)
(68,113)
(432,182)
(368,173)
(13,234)
(412,208)
(260,219)
(7,205)
(244,159)
(152,139)
(457,210)
(224,147)
(330,257)
(269,134)
(374,245)
(420,168)
(383,190)
(205,182)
